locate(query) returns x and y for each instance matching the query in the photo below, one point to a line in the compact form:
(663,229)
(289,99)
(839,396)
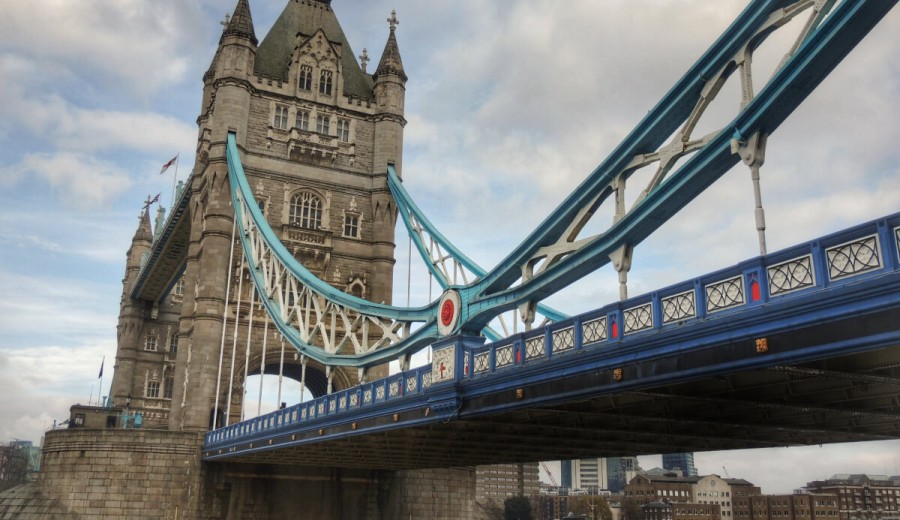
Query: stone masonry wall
(155,474)
(104,474)
(436,494)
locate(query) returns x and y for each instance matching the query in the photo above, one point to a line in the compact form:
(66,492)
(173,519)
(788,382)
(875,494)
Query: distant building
(498,482)
(787,507)
(708,497)
(862,497)
(683,462)
(620,471)
(565,473)
(657,510)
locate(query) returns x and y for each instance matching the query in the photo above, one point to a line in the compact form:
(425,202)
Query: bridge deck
(799,347)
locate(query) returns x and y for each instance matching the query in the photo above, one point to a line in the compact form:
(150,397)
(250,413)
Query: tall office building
(620,470)
(683,462)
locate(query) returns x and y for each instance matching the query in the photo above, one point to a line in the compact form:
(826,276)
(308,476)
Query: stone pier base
(147,474)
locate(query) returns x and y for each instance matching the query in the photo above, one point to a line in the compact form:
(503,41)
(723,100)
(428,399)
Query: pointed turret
(390,95)
(131,312)
(233,62)
(390,59)
(241,23)
(144,231)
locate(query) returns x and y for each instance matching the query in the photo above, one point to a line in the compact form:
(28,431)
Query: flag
(170,163)
(152,201)
(101,367)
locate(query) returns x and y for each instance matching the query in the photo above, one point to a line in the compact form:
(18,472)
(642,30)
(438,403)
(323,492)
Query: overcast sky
(510,105)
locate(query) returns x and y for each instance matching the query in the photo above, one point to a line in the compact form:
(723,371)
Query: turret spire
(241,23)
(390,59)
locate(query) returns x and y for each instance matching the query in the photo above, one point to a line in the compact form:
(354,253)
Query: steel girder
(310,312)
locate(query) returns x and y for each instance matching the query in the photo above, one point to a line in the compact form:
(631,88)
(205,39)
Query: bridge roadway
(801,346)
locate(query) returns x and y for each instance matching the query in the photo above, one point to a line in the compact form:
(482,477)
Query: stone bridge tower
(316,133)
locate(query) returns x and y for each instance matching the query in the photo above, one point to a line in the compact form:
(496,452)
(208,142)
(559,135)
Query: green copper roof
(273,56)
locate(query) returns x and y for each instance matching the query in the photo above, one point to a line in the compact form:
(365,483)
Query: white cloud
(62,309)
(80,181)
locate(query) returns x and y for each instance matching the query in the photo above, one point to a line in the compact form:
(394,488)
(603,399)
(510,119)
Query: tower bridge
(797,347)
(283,241)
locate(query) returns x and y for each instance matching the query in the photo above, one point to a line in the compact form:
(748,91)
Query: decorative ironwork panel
(303,414)
(534,347)
(725,294)
(394,389)
(563,339)
(426,380)
(593,331)
(504,356)
(638,318)
(791,275)
(342,402)
(367,396)
(482,362)
(332,405)
(678,307)
(853,258)
(411,384)
(897,240)
(294,416)
(354,399)
(321,409)
(379,392)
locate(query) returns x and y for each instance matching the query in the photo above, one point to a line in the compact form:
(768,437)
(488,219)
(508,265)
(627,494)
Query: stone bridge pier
(148,474)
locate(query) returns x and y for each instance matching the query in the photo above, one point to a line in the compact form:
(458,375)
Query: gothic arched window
(325,82)
(306,210)
(305,80)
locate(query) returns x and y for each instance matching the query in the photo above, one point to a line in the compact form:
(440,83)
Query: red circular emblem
(447,312)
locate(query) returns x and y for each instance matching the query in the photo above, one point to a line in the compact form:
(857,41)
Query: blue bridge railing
(849,256)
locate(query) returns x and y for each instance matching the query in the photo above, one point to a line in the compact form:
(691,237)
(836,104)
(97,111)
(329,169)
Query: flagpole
(100,390)
(174,181)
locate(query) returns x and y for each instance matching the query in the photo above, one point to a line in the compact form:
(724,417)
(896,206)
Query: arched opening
(267,392)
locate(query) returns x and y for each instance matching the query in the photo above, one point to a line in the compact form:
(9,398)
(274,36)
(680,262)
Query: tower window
(150,343)
(167,388)
(173,343)
(152,389)
(305,81)
(281,117)
(178,290)
(351,225)
(306,210)
(325,82)
(302,122)
(343,130)
(323,124)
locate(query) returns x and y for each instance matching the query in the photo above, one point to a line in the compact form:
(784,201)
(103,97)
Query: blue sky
(509,106)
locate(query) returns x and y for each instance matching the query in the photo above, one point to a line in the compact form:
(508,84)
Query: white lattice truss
(446,266)
(320,321)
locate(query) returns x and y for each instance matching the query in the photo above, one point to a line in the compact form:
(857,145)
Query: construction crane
(552,480)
